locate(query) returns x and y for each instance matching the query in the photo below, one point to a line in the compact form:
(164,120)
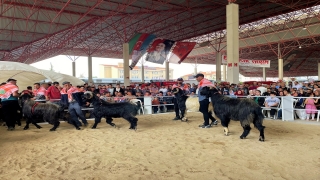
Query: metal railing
(287,105)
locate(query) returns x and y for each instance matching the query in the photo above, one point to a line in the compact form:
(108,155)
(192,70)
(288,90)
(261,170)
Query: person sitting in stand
(139,96)
(259,100)
(169,100)
(119,97)
(103,89)
(107,97)
(164,90)
(272,102)
(117,89)
(155,105)
(161,101)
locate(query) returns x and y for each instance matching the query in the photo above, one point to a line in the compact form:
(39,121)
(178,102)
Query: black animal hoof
(25,128)
(242,137)
(261,139)
(133,128)
(78,128)
(52,129)
(39,127)
(94,127)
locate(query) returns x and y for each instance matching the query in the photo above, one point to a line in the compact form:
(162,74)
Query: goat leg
(246,131)
(39,127)
(109,121)
(27,124)
(55,126)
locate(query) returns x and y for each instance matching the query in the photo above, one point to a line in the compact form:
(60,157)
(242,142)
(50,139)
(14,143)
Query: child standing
(310,106)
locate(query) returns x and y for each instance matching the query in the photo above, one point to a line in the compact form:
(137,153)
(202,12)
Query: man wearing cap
(10,106)
(53,92)
(204,100)
(184,87)
(74,100)
(296,85)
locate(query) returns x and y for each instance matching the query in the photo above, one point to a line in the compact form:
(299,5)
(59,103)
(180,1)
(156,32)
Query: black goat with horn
(126,110)
(243,110)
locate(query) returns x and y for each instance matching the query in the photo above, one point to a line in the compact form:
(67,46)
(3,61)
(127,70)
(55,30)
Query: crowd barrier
(287,106)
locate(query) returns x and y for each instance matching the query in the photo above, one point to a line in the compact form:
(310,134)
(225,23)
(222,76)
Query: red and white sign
(248,62)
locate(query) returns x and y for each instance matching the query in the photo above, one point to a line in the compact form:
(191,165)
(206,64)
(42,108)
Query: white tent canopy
(27,75)
(53,76)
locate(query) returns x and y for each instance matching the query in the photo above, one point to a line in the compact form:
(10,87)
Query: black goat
(126,110)
(33,110)
(243,110)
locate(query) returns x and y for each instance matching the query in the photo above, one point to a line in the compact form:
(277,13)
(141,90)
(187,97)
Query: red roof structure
(32,31)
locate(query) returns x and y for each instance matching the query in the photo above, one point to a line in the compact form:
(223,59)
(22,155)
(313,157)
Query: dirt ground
(161,149)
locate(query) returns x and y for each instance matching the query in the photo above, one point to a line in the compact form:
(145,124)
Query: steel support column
(142,72)
(90,70)
(167,71)
(233,42)
(74,68)
(218,65)
(280,63)
(225,72)
(126,69)
(264,73)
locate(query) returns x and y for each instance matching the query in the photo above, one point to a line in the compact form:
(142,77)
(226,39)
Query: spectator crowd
(163,99)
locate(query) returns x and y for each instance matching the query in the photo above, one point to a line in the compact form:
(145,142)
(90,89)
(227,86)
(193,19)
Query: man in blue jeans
(75,103)
(204,99)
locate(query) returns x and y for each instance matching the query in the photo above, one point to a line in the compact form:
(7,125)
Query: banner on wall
(248,62)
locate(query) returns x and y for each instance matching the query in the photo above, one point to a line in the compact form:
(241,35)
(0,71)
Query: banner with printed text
(248,62)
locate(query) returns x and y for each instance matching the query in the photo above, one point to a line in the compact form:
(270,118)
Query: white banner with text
(247,62)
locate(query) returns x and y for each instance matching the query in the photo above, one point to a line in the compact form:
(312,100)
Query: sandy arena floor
(161,149)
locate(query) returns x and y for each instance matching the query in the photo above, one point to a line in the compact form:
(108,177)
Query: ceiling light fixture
(304,28)
(300,47)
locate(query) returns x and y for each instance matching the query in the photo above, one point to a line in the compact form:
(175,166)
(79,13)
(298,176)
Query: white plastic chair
(141,108)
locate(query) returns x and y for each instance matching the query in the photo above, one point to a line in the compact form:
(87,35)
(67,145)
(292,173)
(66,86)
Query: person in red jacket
(53,92)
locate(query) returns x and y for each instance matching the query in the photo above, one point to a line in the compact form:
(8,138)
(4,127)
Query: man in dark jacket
(74,99)
(185,89)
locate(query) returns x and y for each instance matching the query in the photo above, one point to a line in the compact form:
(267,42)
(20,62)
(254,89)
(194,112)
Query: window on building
(121,76)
